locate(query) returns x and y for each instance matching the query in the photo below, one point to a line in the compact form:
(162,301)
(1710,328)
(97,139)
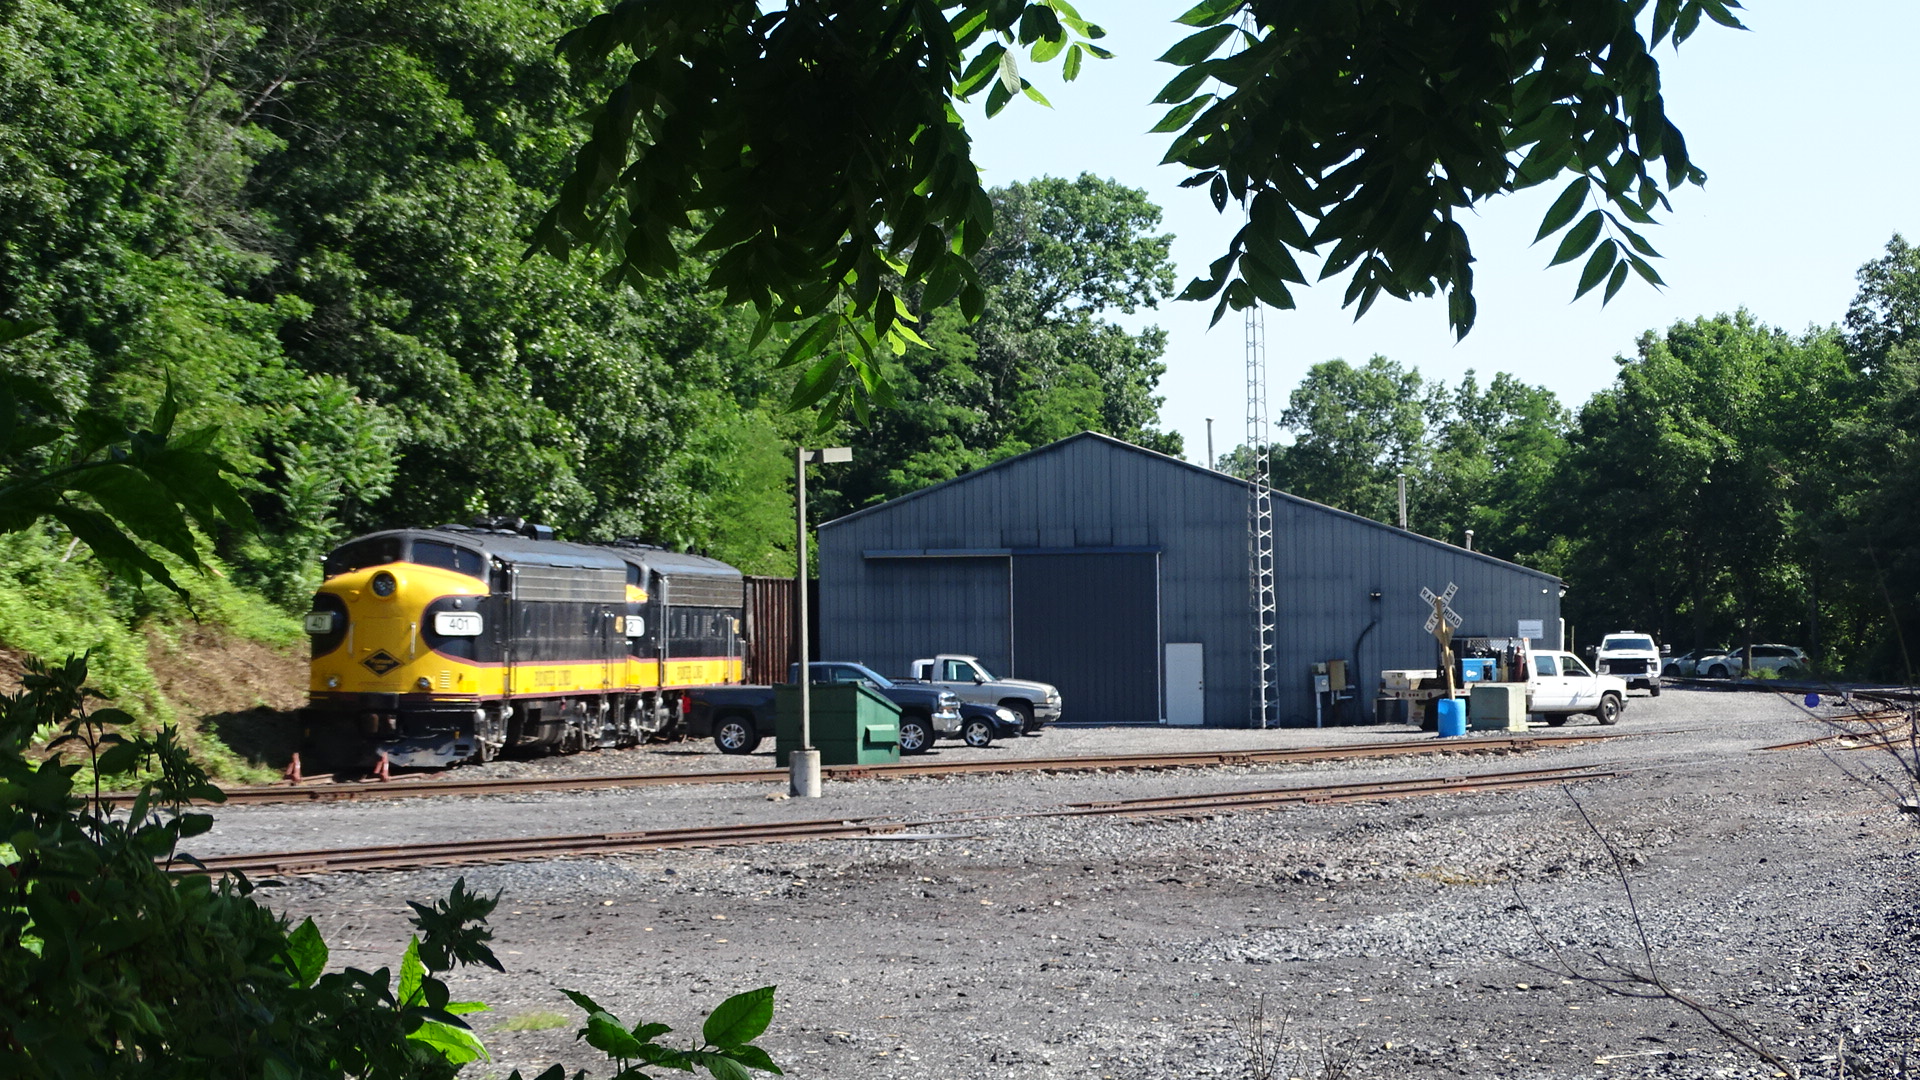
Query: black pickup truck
(738,717)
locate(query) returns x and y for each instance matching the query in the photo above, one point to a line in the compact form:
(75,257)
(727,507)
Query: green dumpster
(852,725)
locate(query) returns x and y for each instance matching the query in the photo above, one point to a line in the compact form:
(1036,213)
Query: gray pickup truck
(1036,703)
(737,718)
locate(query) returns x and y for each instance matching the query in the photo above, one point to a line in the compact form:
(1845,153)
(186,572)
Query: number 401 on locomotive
(436,646)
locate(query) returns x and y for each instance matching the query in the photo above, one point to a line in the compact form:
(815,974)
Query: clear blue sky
(1805,126)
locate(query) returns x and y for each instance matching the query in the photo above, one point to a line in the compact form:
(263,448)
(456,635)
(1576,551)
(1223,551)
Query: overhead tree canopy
(816,150)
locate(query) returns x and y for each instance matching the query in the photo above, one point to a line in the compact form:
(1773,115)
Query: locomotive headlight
(423,683)
(384,584)
(333,681)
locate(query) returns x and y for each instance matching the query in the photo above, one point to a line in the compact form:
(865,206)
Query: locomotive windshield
(447,557)
(374,551)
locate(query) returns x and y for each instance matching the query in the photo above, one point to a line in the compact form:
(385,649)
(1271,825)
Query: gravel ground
(1426,937)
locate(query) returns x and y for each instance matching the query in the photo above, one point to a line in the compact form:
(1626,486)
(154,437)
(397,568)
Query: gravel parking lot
(1414,938)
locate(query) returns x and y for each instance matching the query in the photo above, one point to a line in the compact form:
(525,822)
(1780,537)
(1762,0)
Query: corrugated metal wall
(769,629)
(930,573)
(1090,624)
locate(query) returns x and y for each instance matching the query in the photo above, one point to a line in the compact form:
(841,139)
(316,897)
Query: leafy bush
(120,961)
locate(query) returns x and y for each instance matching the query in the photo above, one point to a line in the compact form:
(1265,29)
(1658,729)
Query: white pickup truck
(1036,703)
(1560,686)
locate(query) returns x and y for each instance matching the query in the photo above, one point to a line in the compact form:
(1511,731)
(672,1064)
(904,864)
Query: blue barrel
(1453,717)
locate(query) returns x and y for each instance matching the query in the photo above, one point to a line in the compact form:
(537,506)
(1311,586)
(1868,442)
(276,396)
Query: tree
(1355,430)
(1877,482)
(1042,361)
(1689,486)
(817,150)
(1473,459)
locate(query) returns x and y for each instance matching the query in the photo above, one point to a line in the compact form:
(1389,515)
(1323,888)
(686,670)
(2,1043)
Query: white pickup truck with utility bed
(1560,686)
(1036,703)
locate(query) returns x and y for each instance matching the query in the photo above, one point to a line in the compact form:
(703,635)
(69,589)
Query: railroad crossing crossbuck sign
(1442,612)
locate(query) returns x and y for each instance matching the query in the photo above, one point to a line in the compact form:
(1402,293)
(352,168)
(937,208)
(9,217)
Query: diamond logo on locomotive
(380,663)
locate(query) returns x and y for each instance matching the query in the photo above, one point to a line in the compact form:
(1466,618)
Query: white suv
(1630,656)
(1783,661)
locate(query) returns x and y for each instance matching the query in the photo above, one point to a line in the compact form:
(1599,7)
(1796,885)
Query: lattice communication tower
(1260,520)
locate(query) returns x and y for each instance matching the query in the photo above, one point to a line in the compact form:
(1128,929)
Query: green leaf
(754,1058)
(1598,265)
(719,1066)
(1070,67)
(586,1003)
(740,1019)
(458,1045)
(997,97)
(306,953)
(818,381)
(1009,73)
(1615,280)
(1181,86)
(1645,270)
(810,342)
(118,759)
(113,547)
(1209,12)
(412,973)
(1578,239)
(1178,116)
(605,1034)
(1563,208)
(142,507)
(1198,47)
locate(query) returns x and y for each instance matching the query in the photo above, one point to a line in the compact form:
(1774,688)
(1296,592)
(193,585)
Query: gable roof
(1199,471)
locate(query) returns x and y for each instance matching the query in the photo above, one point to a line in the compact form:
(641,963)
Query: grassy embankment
(225,670)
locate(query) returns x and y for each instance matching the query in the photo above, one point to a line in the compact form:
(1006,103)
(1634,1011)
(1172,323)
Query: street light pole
(1209,442)
(804,763)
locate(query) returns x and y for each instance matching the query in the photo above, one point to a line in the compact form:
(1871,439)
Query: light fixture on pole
(804,763)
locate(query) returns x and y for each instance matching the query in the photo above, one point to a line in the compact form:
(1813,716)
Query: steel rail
(413,789)
(442,853)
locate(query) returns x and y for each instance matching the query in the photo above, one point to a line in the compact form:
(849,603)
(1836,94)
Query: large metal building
(1121,576)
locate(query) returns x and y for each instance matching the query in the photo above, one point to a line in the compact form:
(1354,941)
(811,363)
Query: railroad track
(446,853)
(328,791)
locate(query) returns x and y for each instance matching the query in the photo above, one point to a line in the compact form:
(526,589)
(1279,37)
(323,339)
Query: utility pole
(1403,500)
(804,764)
(1209,442)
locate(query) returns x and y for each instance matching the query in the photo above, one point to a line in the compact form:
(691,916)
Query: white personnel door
(1186,684)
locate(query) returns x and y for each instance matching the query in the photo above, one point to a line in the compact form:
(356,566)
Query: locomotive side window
(375,551)
(447,557)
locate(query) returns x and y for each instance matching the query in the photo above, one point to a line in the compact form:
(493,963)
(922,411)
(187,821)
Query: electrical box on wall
(1337,674)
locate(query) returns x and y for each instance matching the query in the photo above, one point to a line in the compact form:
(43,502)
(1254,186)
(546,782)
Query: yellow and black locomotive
(438,646)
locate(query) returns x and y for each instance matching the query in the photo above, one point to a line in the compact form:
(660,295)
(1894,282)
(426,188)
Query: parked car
(1037,703)
(1783,661)
(981,723)
(1685,665)
(739,717)
(1631,656)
